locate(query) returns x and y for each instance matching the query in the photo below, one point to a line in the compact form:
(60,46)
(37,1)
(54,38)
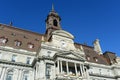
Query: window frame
(9,75)
(18,43)
(26,75)
(3,40)
(28,60)
(30,45)
(14,58)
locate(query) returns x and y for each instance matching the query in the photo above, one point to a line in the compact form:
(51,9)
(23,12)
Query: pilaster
(3,73)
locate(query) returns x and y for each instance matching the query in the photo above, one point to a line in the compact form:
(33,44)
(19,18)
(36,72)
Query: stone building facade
(26,55)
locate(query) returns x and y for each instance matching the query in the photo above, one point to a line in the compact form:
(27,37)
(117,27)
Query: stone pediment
(71,55)
(63,33)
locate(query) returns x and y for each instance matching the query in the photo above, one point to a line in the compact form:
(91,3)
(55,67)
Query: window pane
(9,76)
(13,58)
(48,70)
(28,60)
(25,76)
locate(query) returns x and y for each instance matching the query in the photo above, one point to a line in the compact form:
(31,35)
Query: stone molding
(19,51)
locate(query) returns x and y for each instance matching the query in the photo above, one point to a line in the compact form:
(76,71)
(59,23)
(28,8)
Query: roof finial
(53,7)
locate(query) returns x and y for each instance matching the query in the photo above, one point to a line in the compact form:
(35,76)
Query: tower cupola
(52,22)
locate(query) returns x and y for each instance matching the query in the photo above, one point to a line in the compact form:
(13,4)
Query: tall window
(28,60)
(25,75)
(9,75)
(14,58)
(48,70)
(49,53)
(55,23)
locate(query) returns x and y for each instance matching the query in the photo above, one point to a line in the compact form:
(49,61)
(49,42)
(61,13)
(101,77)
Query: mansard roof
(24,36)
(13,34)
(89,52)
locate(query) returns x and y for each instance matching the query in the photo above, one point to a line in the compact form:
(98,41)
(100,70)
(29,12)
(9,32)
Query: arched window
(9,75)
(25,75)
(55,23)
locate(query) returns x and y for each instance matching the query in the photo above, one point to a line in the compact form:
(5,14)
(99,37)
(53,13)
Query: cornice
(98,65)
(70,58)
(15,63)
(102,66)
(54,48)
(102,76)
(19,51)
(115,66)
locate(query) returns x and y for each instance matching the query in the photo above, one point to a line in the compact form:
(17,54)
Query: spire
(53,7)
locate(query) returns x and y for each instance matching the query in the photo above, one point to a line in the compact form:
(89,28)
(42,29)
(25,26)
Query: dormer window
(88,57)
(96,59)
(18,43)
(30,45)
(37,39)
(3,40)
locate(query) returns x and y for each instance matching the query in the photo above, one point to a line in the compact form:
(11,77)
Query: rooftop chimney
(97,47)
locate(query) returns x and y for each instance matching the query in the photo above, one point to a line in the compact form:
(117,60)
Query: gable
(71,55)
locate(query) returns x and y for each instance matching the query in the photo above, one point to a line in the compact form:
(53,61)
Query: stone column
(31,75)
(36,72)
(61,66)
(84,70)
(1,70)
(81,70)
(3,73)
(75,69)
(58,66)
(20,74)
(67,68)
(41,70)
(54,72)
(16,74)
(87,74)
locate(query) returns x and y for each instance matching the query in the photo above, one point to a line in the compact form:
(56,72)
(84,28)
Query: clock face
(63,43)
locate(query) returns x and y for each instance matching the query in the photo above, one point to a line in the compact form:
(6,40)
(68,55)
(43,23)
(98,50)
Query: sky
(87,20)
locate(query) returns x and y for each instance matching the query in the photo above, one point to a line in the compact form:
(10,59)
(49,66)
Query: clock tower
(52,22)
